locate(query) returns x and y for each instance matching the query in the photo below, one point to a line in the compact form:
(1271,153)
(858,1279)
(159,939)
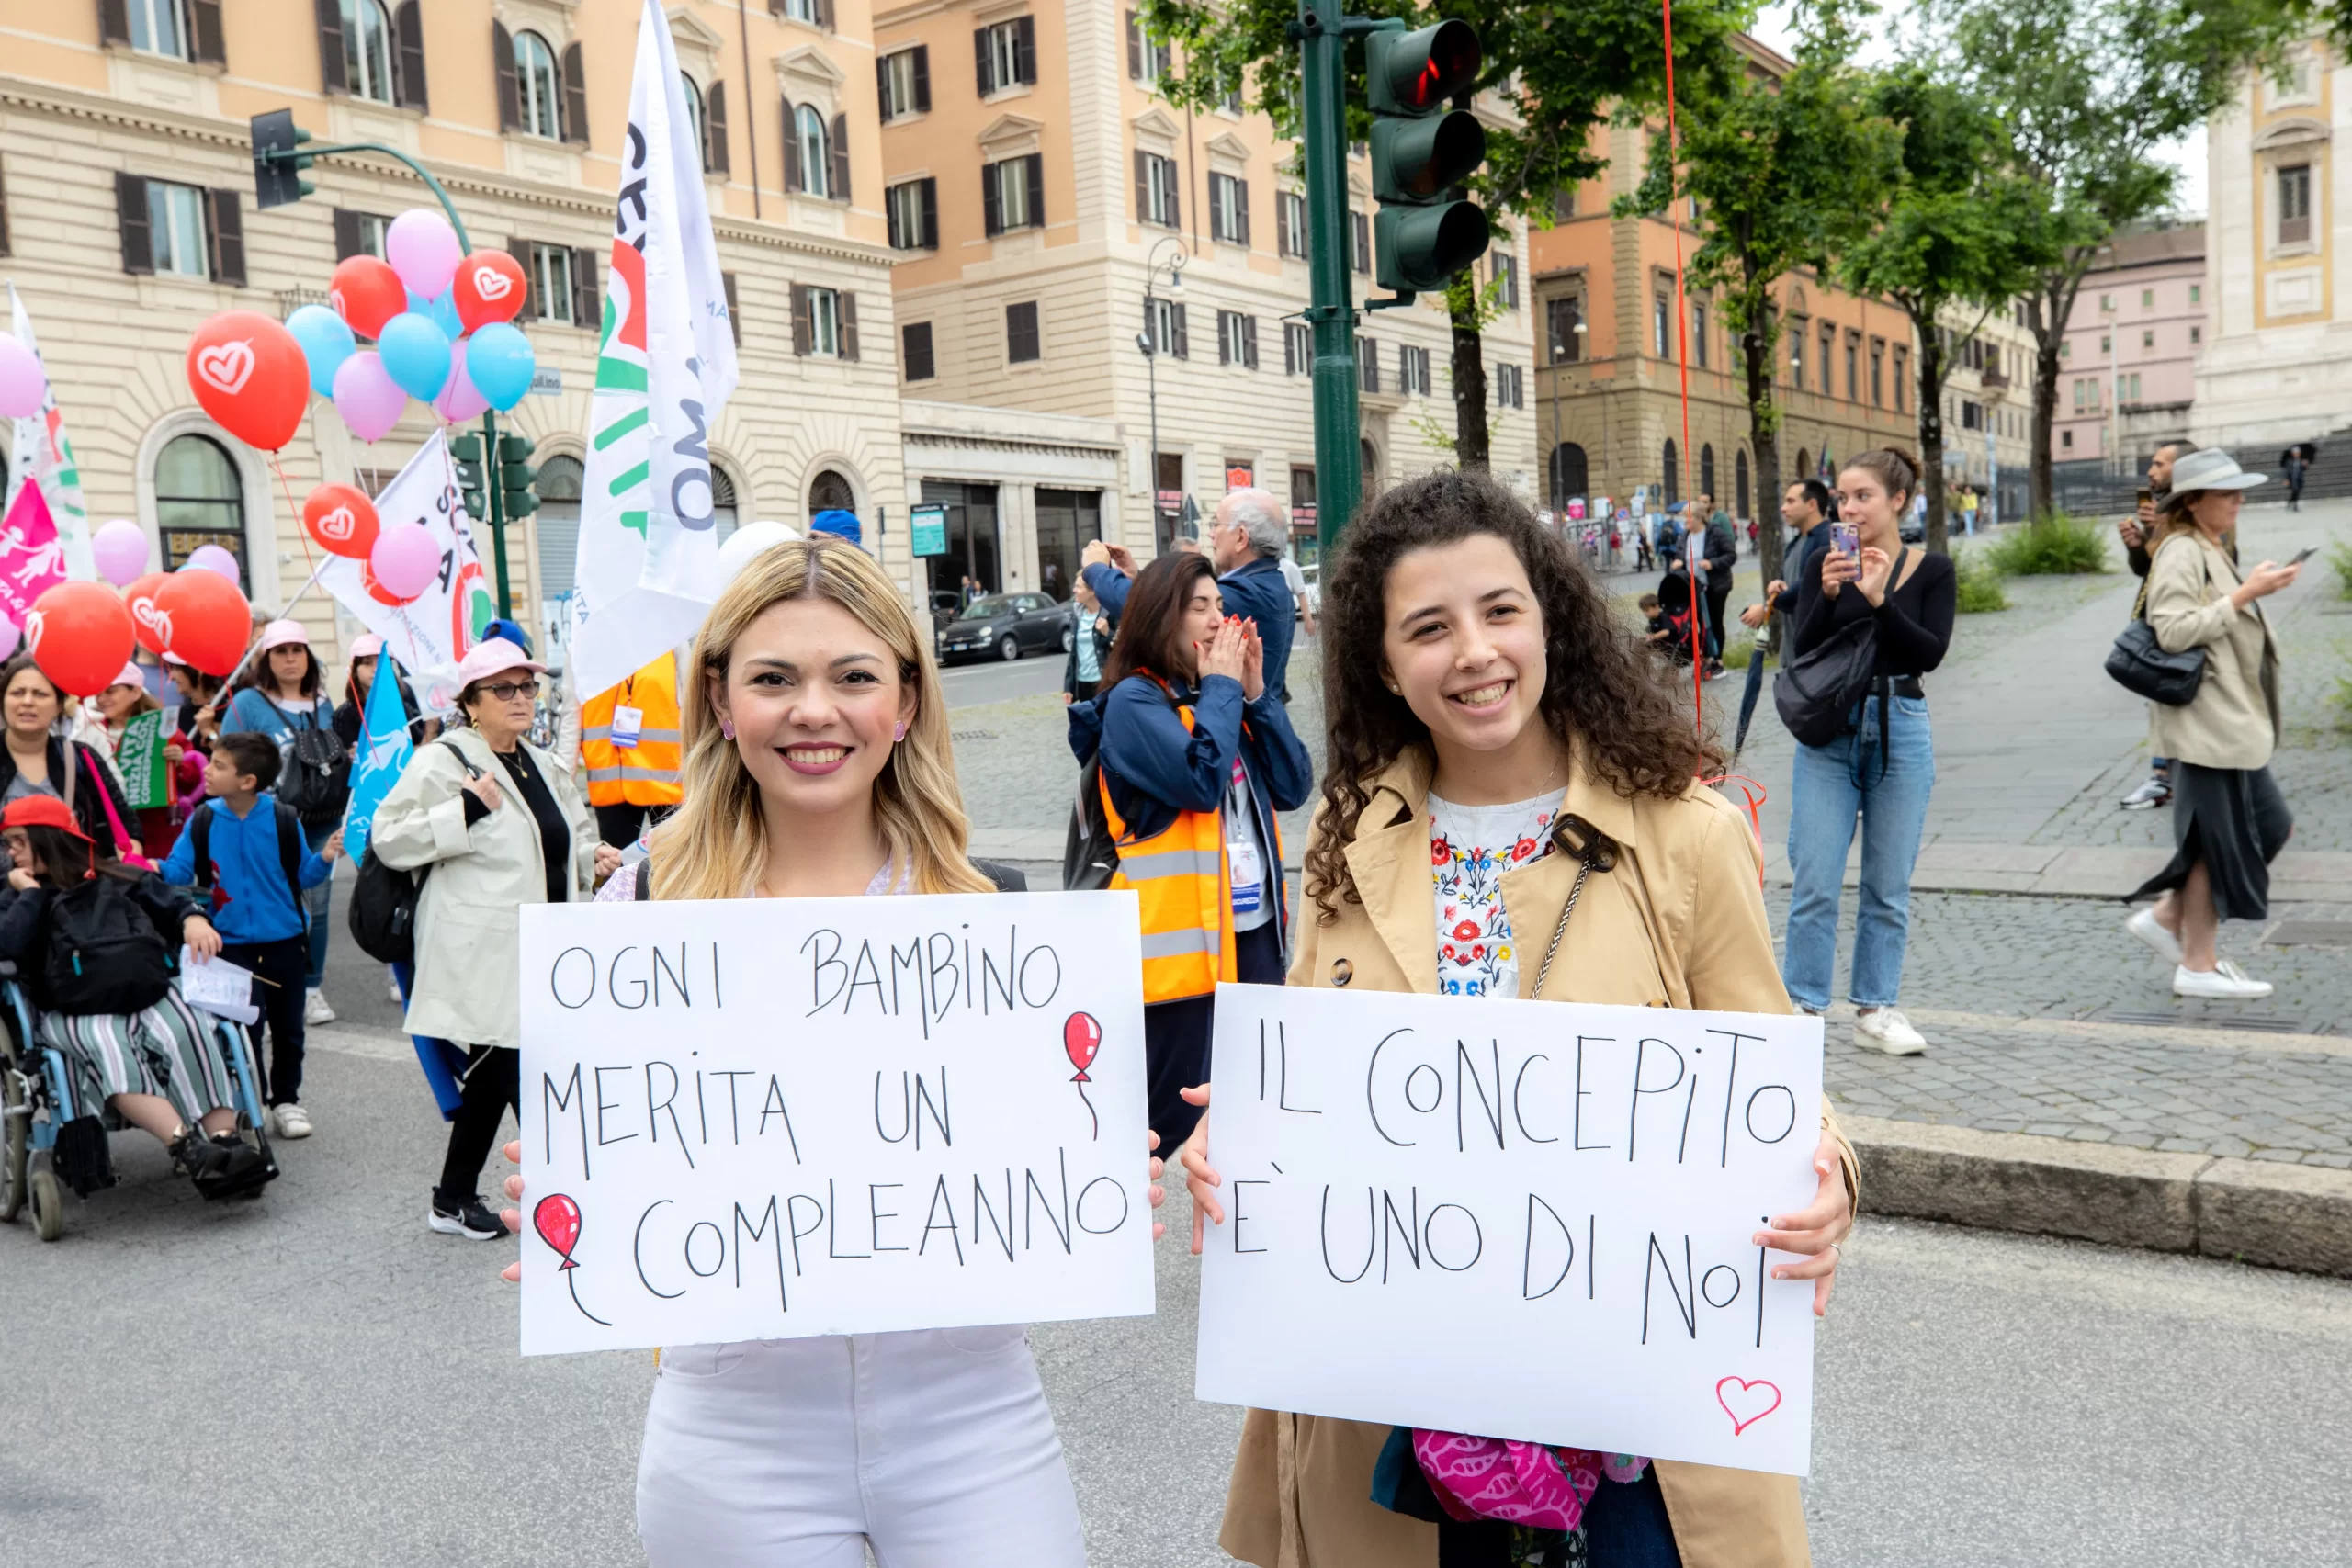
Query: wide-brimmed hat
(2207,467)
(495,656)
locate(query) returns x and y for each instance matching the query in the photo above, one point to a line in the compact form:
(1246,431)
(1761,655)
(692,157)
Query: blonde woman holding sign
(818,765)
(1508,810)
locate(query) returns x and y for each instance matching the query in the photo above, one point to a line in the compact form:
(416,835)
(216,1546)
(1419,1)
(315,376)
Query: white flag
(44,456)
(647,567)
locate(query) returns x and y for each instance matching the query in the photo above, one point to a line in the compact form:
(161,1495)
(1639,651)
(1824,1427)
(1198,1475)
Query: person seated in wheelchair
(95,943)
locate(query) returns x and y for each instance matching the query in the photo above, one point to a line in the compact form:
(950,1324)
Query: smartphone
(1847,537)
(2147,497)
(2304,555)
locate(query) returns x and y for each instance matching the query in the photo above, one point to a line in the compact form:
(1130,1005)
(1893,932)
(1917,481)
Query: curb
(2280,1216)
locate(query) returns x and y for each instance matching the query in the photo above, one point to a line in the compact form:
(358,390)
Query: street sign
(547,381)
(930,530)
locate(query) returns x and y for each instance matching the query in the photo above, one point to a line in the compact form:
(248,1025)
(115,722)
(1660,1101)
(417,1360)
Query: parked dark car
(943,609)
(1006,626)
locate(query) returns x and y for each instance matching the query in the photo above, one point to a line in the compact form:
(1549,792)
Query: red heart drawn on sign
(1746,1398)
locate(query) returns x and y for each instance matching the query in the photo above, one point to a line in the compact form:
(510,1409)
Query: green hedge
(2052,545)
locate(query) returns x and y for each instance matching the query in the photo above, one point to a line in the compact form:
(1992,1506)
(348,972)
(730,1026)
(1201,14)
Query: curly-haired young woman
(1494,730)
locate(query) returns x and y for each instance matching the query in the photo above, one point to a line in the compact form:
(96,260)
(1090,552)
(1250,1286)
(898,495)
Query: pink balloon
(212,559)
(10,634)
(120,550)
(23,387)
(424,250)
(458,401)
(405,559)
(368,398)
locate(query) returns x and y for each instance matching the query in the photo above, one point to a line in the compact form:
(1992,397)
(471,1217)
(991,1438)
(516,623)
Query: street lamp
(1148,341)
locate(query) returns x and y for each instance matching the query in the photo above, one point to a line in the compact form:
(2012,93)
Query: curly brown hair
(1602,691)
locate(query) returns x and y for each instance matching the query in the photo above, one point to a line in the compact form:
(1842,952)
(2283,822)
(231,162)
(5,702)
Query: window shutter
(1281,223)
(408,81)
(825,15)
(4,210)
(1241,210)
(1184,349)
(931,215)
(1224,340)
(991,201)
(346,234)
(524,252)
(1143,175)
(1250,343)
(1167,181)
(920,366)
(1025,39)
(922,78)
(226,232)
(130,217)
(114,22)
(211,44)
(587,298)
(1135,45)
(734,316)
(1290,352)
(510,84)
(715,113)
(332,75)
(892,229)
(848,304)
(793,178)
(882,86)
(1033,170)
(839,188)
(801,329)
(983,76)
(575,97)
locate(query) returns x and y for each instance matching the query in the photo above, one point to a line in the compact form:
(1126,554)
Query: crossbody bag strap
(1594,851)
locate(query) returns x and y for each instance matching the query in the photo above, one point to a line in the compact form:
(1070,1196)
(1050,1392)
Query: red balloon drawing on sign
(557,1219)
(1081,1038)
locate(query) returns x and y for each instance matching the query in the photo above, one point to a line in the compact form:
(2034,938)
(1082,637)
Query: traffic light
(277,165)
(516,478)
(467,449)
(1421,151)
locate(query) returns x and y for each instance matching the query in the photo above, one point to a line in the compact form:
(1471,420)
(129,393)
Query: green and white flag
(139,761)
(647,567)
(43,455)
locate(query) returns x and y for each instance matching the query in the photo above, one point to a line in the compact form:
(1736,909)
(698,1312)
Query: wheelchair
(35,1091)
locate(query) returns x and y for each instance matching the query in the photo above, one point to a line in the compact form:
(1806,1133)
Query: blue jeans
(318,901)
(1833,785)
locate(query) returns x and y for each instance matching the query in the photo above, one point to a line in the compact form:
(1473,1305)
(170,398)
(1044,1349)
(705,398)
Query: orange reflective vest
(647,772)
(1183,885)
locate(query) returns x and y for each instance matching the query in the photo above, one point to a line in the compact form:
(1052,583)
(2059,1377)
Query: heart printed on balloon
(342,519)
(34,621)
(490,287)
(228,366)
(491,284)
(337,525)
(155,623)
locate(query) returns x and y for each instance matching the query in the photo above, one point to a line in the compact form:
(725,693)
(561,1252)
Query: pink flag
(33,558)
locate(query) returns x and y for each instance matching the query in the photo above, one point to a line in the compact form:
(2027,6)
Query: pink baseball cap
(284,634)
(131,676)
(493,657)
(367,646)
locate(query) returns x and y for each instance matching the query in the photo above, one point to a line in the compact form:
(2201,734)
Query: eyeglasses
(508,691)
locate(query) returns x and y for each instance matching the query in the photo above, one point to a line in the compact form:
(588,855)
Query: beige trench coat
(468,987)
(2232,722)
(1301,1494)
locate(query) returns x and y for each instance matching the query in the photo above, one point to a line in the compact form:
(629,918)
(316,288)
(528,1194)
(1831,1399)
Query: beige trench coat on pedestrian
(468,987)
(2232,722)
(1679,922)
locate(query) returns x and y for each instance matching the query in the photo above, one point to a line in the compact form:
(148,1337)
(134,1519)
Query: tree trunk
(1931,431)
(2047,308)
(1469,385)
(1764,440)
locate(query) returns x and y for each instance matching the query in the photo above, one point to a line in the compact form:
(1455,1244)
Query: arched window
(700,116)
(1804,466)
(368,49)
(199,500)
(538,87)
(829,491)
(1673,474)
(1569,473)
(1369,480)
(1739,482)
(1707,469)
(816,163)
(724,514)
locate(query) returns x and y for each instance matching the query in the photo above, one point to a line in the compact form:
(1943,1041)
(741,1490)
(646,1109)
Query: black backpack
(383,899)
(290,845)
(103,954)
(316,779)
(1090,852)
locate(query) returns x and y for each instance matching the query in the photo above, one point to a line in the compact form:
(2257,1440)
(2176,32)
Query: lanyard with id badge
(628,723)
(1242,848)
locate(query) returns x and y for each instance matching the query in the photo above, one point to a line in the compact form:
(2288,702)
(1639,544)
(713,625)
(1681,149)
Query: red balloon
(146,621)
(365,293)
(1081,1038)
(557,1219)
(204,620)
(342,519)
(80,635)
(489,287)
(251,377)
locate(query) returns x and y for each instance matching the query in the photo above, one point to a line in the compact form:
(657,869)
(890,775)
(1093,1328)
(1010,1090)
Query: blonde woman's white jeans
(936,1446)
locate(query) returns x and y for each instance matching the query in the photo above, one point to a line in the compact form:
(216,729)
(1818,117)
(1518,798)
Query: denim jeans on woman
(1833,785)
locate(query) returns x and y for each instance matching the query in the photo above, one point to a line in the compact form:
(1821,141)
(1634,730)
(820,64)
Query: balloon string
(287,485)
(1080,1082)
(573,1280)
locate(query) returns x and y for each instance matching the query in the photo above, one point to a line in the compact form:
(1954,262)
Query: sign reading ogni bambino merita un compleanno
(1511,1219)
(765,1119)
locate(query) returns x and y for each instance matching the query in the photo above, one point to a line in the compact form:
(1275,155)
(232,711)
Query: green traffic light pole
(1323,31)
(492,493)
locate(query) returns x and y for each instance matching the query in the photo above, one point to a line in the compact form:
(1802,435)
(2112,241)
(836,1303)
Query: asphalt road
(996,681)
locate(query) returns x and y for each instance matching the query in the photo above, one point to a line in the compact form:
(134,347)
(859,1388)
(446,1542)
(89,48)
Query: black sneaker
(223,1166)
(469,1220)
(199,1157)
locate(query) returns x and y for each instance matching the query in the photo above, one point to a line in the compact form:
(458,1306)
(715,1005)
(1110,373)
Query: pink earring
(726,727)
(899,735)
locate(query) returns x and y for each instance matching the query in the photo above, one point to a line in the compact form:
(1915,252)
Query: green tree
(1958,225)
(1782,170)
(2087,90)
(1561,67)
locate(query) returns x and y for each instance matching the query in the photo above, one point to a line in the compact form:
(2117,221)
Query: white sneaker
(393,989)
(1885,1029)
(315,1008)
(2144,925)
(2224,982)
(293,1122)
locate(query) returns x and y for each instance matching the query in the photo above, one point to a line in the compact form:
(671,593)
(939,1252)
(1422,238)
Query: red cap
(42,811)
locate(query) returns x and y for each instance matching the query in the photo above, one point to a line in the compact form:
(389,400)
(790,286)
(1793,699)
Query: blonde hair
(715,845)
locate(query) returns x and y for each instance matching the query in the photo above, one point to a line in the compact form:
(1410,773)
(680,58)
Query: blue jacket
(1256,591)
(251,902)
(1110,585)
(1155,769)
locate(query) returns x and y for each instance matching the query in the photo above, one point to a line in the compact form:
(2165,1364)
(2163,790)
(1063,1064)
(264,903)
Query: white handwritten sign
(1524,1219)
(765,1119)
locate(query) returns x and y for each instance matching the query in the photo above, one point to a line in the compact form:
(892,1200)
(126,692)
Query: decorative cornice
(966,442)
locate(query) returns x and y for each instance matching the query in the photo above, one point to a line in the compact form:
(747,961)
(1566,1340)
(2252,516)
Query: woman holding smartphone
(1883,768)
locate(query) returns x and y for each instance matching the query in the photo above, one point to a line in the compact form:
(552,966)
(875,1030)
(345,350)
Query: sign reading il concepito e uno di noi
(766,1118)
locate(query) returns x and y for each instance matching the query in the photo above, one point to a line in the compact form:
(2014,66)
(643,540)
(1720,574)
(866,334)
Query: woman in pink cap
(351,714)
(101,725)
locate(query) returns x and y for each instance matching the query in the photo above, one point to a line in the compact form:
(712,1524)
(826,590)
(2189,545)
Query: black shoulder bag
(2141,665)
(1816,691)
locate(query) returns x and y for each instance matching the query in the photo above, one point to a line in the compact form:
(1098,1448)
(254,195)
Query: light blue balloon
(442,311)
(326,343)
(416,355)
(499,363)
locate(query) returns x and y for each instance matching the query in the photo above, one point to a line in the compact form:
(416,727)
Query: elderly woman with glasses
(501,826)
